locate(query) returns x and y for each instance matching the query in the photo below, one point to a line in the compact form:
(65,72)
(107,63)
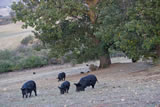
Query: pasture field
(120,85)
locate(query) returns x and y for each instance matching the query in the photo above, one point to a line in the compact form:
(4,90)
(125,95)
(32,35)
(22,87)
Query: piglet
(64,88)
(61,76)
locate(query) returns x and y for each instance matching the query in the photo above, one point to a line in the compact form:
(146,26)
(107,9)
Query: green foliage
(131,26)
(73,62)
(63,26)
(22,58)
(6,54)
(31,62)
(26,40)
(24,50)
(6,65)
(139,34)
(38,45)
(109,18)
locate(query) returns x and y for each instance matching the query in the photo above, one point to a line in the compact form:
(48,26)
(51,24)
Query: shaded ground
(120,85)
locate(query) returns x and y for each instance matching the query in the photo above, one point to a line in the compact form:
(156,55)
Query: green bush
(37,46)
(22,58)
(6,54)
(26,40)
(73,62)
(6,65)
(23,49)
(31,62)
(26,51)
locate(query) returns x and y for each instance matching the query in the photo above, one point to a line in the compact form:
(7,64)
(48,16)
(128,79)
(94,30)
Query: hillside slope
(12,34)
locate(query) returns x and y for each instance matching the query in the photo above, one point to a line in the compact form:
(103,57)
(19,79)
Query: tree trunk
(105,61)
(158,51)
(91,13)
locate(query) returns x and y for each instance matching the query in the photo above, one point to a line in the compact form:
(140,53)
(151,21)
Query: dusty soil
(120,85)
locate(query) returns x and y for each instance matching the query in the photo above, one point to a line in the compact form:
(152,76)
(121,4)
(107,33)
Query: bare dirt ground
(120,85)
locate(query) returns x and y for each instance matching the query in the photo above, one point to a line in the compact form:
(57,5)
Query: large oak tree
(90,28)
(66,26)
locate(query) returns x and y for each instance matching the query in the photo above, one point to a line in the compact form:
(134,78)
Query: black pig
(64,87)
(89,80)
(61,76)
(28,87)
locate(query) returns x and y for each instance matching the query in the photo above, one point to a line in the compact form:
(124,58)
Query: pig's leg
(26,95)
(30,93)
(93,85)
(35,92)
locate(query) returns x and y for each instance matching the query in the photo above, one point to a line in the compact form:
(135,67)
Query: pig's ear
(77,84)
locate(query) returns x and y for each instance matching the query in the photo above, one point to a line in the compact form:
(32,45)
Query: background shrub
(31,62)
(22,58)
(6,65)
(38,46)
(27,57)
(26,40)
(6,54)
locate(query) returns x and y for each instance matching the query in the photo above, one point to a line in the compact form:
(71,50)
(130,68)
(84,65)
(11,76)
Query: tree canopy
(139,34)
(88,29)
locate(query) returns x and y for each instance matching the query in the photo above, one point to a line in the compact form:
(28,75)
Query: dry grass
(12,34)
(117,87)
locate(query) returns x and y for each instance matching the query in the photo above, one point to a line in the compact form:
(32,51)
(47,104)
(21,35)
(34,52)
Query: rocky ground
(120,85)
